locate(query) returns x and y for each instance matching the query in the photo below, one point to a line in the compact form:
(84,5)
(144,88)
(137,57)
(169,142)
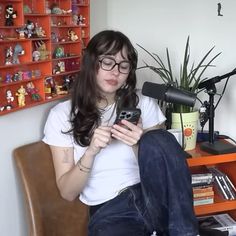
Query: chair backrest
(49,214)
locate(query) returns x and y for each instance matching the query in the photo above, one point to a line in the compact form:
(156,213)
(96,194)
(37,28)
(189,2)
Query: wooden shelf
(226,163)
(47,68)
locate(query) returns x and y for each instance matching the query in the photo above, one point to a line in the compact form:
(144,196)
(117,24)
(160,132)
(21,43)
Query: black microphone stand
(214,146)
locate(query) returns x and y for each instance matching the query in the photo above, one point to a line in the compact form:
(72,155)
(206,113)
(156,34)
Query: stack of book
(222,222)
(203,192)
(223,184)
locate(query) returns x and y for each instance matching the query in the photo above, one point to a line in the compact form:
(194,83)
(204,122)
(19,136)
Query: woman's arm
(72,177)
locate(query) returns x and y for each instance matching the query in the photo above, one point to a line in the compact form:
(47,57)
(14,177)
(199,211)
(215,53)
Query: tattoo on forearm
(66,158)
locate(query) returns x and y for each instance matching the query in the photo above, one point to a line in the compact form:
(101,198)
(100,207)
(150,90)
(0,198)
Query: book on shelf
(222,222)
(203,194)
(203,200)
(203,189)
(202,178)
(224,184)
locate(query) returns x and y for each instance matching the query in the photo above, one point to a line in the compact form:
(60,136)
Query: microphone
(214,80)
(169,93)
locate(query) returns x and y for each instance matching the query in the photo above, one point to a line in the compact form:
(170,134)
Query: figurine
(18,51)
(29,29)
(31,90)
(72,35)
(27,9)
(39,32)
(75,19)
(81,20)
(67,82)
(41,47)
(21,32)
(60,91)
(10,15)
(9,96)
(59,68)
(59,52)
(21,93)
(36,55)
(8,56)
(55,9)
(50,87)
(8,78)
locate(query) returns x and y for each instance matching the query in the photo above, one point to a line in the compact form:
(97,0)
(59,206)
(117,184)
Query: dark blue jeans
(162,202)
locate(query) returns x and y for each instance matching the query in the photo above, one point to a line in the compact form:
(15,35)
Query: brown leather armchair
(48,213)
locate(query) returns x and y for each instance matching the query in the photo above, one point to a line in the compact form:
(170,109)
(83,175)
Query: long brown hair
(85,115)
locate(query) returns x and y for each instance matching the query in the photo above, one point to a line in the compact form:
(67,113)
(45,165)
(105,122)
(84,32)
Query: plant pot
(190,124)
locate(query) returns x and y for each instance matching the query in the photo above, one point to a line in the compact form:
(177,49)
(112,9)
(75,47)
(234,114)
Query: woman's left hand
(129,134)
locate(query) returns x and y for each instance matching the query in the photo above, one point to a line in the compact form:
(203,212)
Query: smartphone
(130,114)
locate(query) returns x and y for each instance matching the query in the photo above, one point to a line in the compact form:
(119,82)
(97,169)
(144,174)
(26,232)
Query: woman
(95,159)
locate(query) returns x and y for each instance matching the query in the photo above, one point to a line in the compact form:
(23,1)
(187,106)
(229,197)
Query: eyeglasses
(108,63)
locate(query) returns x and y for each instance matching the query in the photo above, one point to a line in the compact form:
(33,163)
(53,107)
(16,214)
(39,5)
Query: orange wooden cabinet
(227,164)
(51,50)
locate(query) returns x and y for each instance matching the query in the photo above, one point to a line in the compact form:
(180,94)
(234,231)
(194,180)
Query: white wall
(155,24)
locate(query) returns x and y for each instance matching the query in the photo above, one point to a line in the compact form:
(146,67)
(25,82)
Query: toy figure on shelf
(33,91)
(59,52)
(8,78)
(67,82)
(59,68)
(81,20)
(18,51)
(9,96)
(75,19)
(72,35)
(41,47)
(55,9)
(29,29)
(21,32)
(60,91)
(27,9)
(8,56)
(36,55)
(49,87)
(39,32)
(21,93)
(10,15)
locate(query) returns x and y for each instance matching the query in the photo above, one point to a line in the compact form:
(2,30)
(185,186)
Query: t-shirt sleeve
(151,112)
(54,131)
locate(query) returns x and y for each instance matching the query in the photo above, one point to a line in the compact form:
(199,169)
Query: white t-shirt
(115,167)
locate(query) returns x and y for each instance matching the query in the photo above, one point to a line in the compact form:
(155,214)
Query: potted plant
(189,78)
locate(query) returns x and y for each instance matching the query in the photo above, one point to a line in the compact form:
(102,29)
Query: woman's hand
(100,139)
(129,134)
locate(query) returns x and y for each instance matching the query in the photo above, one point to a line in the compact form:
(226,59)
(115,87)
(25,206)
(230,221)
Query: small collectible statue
(29,29)
(21,93)
(9,97)
(32,91)
(21,31)
(36,55)
(10,15)
(41,47)
(8,78)
(59,52)
(72,35)
(60,91)
(49,87)
(39,32)
(67,82)
(8,56)
(18,51)
(81,20)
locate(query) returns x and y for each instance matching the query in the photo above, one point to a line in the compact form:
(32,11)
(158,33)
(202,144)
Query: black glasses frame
(118,64)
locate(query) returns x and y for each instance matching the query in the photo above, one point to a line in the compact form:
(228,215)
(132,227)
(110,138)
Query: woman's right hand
(100,139)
